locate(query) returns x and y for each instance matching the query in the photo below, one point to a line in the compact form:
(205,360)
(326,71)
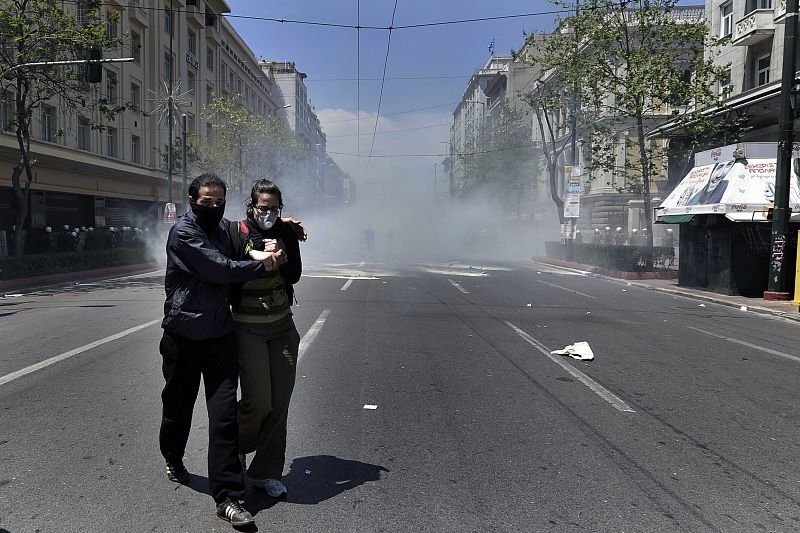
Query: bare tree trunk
(22,194)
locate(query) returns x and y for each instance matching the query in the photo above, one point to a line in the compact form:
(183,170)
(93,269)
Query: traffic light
(95,69)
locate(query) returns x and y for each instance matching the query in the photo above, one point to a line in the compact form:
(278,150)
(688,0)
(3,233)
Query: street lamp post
(185,171)
(777,283)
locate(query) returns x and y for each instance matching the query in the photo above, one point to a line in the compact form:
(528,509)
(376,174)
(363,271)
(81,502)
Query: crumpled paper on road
(580,350)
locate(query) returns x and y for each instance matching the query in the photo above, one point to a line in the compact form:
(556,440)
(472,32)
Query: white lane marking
(457,286)
(66,355)
(346,285)
(749,345)
(598,389)
(565,288)
(312,333)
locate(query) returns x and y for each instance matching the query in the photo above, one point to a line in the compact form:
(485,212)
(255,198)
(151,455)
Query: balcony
(780,10)
(135,12)
(195,15)
(754,28)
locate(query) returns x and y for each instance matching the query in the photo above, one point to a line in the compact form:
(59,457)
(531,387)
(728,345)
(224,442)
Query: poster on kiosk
(737,181)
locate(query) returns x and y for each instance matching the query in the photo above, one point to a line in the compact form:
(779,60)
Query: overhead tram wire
(442,124)
(358,26)
(383,80)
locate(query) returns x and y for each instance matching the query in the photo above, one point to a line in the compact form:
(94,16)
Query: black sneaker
(233,512)
(177,473)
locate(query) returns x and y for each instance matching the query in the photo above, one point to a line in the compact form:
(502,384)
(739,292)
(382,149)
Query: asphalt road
(684,421)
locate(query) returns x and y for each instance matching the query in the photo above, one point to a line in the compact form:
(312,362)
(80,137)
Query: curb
(66,277)
(593,272)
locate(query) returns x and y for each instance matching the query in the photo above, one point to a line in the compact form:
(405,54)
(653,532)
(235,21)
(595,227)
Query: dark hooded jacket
(198,278)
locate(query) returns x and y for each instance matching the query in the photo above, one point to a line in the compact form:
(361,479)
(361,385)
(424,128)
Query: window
(190,123)
(167,66)
(192,43)
(48,123)
(84,134)
(191,82)
(6,112)
(762,70)
(726,21)
(111,142)
(725,85)
(210,58)
(82,13)
(764,4)
(136,47)
(136,96)
(111,86)
(169,21)
(136,149)
(209,94)
(111,25)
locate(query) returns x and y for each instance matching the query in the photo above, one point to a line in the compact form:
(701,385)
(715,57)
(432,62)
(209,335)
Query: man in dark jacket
(198,340)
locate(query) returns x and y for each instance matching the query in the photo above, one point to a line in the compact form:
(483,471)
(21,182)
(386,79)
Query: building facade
(754,56)
(299,116)
(118,174)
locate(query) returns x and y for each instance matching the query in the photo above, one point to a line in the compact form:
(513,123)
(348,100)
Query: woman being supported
(268,339)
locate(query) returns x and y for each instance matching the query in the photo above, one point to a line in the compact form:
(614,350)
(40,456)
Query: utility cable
(383,80)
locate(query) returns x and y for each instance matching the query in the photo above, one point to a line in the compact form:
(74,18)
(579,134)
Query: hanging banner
(572,191)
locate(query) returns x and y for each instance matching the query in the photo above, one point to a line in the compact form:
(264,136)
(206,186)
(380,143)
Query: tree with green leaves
(634,66)
(39,31)
(502,156)
(244,146)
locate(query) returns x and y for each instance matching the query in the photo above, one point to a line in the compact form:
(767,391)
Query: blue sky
(445,55)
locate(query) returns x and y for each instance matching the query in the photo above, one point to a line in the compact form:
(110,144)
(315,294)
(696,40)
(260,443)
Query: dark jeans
(184,361)
(267,364)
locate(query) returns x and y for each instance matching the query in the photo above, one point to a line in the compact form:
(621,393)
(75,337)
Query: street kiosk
(723,206)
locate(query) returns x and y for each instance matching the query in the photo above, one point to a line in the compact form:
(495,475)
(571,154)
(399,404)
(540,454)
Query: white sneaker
(274,487)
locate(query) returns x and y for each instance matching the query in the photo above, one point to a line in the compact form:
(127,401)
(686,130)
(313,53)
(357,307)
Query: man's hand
(271,245)
(299,229)
(271,260)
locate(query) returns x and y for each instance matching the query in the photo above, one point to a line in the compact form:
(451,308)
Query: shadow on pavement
(314,479)
(198,484)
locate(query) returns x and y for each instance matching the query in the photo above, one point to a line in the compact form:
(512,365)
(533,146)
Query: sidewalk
(783,309)
(67,277)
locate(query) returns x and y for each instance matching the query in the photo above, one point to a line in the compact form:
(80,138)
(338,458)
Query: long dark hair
(263,186)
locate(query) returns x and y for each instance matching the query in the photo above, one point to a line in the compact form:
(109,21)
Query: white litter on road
(529,305)
(701,305)
(743,308)
(370,406)
(580,350)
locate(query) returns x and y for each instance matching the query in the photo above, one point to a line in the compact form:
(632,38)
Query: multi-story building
(117,175)
(298,115)
(469,119)
(754,54)
(606,195)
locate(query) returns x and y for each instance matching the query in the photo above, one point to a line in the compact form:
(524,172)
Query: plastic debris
(579,350)
(624,290)
(588,312)
(529,305)
(701,305)
(743,308)
(370,406)
(308,472)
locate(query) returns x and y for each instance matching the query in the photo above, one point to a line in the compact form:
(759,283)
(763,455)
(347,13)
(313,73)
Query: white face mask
(267,220)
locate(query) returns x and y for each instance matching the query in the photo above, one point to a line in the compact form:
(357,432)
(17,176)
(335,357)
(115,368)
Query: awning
(675,219)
